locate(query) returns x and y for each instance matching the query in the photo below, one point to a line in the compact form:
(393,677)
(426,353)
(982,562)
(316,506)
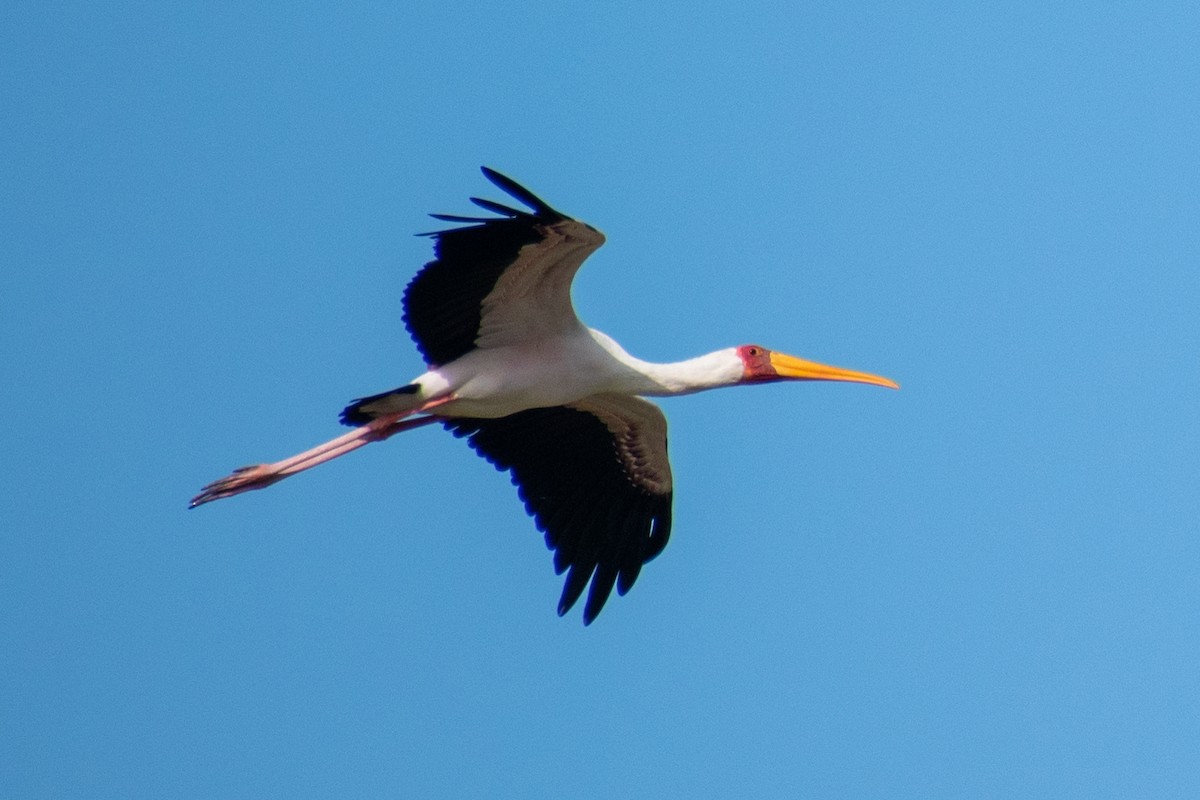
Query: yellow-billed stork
(537,393)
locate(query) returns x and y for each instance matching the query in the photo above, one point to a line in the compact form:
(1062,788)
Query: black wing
(443,304)
(599,487)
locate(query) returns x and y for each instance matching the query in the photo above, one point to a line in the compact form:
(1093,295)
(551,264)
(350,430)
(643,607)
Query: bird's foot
(243,479)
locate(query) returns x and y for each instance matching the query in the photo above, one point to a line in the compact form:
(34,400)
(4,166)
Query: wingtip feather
(518,191)
(498,208)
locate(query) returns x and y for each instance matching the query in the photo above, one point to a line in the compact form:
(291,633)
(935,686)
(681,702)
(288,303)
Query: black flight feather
(514,189)
(602,526)
(499,208)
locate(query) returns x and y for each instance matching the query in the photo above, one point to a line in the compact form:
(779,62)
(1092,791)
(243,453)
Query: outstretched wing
(595,477)
(499,280)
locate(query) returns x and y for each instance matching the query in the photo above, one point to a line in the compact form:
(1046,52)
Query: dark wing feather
(602,521)
(514,189)
(499,208)
(442,304)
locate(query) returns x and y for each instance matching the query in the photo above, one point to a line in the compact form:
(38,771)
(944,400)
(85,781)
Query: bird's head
(760,365)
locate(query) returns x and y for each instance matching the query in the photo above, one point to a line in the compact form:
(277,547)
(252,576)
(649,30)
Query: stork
(560,406)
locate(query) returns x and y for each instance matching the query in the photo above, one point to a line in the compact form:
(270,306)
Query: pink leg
(260,476)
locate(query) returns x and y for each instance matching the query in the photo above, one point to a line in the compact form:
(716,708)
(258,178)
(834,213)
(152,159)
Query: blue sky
(984,585)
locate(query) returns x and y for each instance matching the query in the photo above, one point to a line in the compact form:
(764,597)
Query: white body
(560,370)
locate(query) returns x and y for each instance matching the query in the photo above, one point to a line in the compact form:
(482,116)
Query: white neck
(710,371)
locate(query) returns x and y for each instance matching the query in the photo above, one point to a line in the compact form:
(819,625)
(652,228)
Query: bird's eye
(754,351)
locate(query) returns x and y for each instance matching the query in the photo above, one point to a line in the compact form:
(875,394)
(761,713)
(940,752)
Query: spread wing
(498,280)
(595,477)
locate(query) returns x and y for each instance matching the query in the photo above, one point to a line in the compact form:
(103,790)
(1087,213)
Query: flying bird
(560,406)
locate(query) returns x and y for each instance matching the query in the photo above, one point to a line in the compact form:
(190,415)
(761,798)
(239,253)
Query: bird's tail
(394,401)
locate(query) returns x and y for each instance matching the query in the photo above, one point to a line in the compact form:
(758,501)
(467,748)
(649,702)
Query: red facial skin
(756,363)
